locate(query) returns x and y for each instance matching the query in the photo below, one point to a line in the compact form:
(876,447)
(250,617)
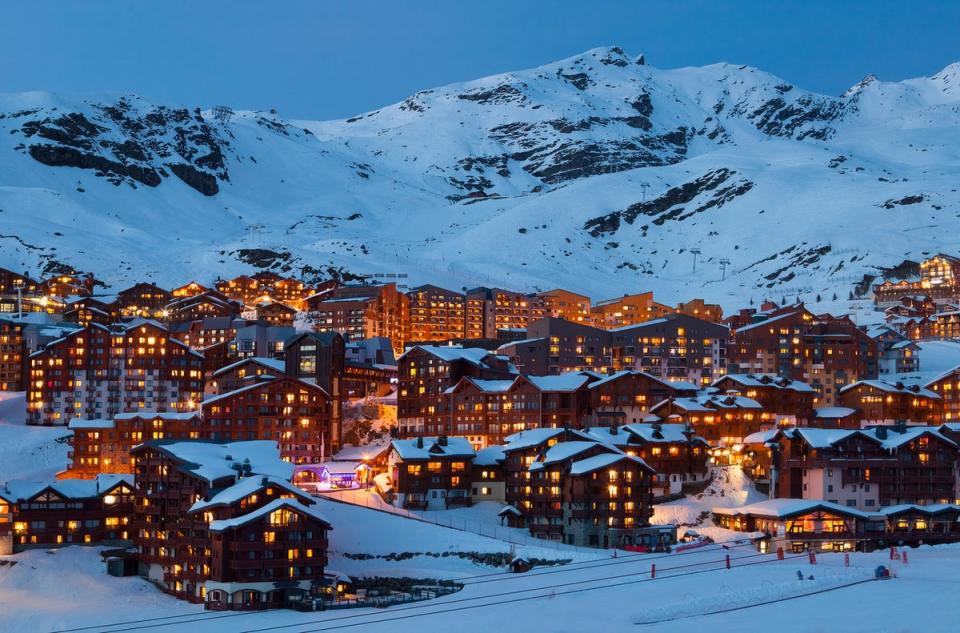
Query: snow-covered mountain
(598,173)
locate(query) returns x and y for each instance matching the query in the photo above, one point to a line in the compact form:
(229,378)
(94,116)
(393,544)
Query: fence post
(728,561)
(904,557)
(779,553)
(653,570)
(813,557)
(846,560)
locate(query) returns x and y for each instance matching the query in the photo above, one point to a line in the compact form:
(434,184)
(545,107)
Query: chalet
(587,493)
(789,401)
(724,420)
(84,310)
(204,305)
(867,468)
(881,402)
(679,457)
(221,524)
(202,333)
(276,313)
(626,397)
(264,285)
(939,279)
(836,418)
(799,525)
(191,289)
(295,414)
(66,512)
(431,472)
(425,372)
(141,300)
(100,446)
(243,373)
(823,351)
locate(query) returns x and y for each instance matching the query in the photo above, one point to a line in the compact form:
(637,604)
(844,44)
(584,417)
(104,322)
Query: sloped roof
(786,508)
(432,448)
(276,504)
(887,387)
(605,460)
(244,488)
(215,460)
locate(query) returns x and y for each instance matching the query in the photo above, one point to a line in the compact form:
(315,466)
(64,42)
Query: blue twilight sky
(335,58)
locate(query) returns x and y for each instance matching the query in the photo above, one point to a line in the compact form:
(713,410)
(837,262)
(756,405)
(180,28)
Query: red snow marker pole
(728,561)
(813,558)
(846,560)
(653,570)
(779,553)
(904,557)
(893,552)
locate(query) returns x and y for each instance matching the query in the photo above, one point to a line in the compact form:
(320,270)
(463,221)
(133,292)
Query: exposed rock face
(129,142)
(710,191)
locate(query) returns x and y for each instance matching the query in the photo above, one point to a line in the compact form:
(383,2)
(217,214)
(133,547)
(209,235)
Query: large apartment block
(98,372)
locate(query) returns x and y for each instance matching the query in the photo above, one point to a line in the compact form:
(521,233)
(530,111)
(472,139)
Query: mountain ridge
(594,172)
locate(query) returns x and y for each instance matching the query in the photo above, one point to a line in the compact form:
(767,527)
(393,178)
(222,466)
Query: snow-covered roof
(431,448)
(244,488)
(762,437)
(22,490)
(654,433)
(825,438)
(151,415)
(886,387)
(565,450)
(767,380)
(925,509)
(632,372)
(271,363)
(624,328)
(276,504)
(490,456)
(941,376)
(833,412)
(215,460)
(534,437)
(523,341)
(449,353)
(486,386)
(96,423)
(351,453)
(710,403)
(605,460)
(570,381)
(766,321)
(786,508)
(235,392)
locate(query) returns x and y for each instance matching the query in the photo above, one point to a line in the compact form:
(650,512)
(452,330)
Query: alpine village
(208,420)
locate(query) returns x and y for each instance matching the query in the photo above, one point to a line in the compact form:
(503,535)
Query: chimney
(442,440)
(613,429)
(419,442)
(881,432)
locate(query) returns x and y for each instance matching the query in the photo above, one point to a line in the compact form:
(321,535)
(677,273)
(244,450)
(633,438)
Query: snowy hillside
(599,173)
